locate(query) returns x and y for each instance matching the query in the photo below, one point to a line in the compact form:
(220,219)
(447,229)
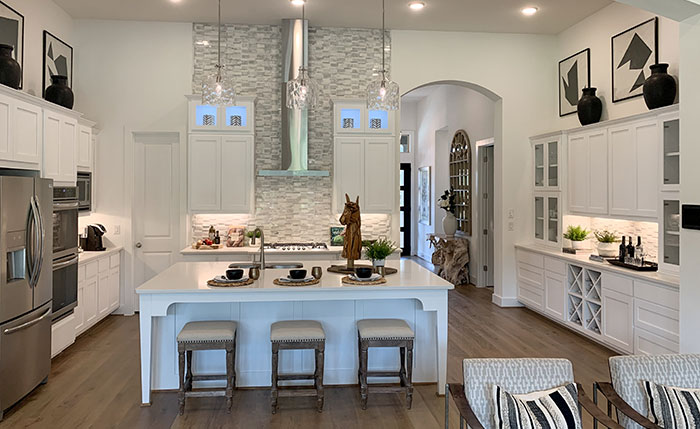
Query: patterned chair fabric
(517,376)
(628,372)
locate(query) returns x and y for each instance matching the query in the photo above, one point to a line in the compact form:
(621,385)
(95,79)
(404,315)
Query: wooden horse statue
(352,247)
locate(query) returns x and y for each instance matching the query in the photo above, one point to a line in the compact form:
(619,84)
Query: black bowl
(363,273)
(297,274)
(235,274)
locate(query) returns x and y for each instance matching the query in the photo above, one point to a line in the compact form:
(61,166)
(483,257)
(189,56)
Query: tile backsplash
(649,231)
(341,60)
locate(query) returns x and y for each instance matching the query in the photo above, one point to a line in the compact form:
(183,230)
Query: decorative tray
(648,266)
(343,269)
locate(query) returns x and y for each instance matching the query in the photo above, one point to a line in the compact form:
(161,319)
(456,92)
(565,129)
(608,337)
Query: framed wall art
(574,75)
(633,51)
(58,60)
(12,33)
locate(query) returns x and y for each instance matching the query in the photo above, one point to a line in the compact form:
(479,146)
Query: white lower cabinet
(62,334)
(621,311)
(98,291)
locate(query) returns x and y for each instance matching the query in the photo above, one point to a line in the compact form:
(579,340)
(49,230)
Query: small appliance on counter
(92,241)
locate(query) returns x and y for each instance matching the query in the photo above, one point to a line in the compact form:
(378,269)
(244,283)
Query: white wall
(595,32)
(516,72)
(40,15)
(130,76)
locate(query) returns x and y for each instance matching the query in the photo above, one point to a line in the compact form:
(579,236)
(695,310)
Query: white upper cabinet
(634,169)
(380,184)
(547,160)
(353,117)
(60,136)
(349,170)
(83,148)
(238,118)
(20,133)
(669,126)
(236,173)
(204,173)
(588,172)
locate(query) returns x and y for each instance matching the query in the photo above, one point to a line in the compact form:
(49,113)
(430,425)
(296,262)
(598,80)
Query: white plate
(223,279)
(291,280)
(372,278)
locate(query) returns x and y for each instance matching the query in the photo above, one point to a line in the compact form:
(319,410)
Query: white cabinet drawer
(554,265)
(659,294)
(531,295)
(646,343)
(659,320)
(531,274)
(619,284)
(62,334)
(103,264)
(531,258)
(114,260)
(91,270)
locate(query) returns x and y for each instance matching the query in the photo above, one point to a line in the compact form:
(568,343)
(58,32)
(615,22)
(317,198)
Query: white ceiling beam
(678,10)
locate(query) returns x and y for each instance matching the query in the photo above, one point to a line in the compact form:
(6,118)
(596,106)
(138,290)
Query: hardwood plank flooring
(96,381)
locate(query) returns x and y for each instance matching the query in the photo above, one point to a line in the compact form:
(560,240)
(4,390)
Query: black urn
(10,71)
(589,107)
(59,92)
(660,88)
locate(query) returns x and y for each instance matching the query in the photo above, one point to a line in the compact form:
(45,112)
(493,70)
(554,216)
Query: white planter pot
(578,245)
(449,224)
(608,250)
(378,263)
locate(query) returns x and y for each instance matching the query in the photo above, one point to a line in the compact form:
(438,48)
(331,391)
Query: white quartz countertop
(85,257)
(192,277)
(251,250)
(583,259)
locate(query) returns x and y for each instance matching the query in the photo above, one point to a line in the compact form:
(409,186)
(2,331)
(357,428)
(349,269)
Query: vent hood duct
(295,123)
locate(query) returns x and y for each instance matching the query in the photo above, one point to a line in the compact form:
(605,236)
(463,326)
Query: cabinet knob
(139,245)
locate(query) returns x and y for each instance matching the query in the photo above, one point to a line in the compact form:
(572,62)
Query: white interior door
(156,219)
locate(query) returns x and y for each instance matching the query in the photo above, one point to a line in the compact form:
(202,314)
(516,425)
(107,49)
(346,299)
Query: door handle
(28,324)
(139,245)
(60,265)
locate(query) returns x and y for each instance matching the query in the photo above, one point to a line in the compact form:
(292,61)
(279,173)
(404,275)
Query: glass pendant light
(302,91)
(217,89)
(383,93)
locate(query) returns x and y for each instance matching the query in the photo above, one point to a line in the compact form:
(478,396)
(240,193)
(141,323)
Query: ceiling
(498,16)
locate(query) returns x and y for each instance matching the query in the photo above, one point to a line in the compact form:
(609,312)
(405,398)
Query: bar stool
(297,335)
(216,335)
(386,333)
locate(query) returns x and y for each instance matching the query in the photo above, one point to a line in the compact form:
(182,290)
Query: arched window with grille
(461,180)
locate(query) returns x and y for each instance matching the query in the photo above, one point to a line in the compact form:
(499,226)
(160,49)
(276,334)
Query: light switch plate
(117,229)
(511,213)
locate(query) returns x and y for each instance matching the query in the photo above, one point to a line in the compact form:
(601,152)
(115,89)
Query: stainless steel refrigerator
(26,205)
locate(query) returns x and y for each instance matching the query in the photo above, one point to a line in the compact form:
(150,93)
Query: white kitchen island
(180,294)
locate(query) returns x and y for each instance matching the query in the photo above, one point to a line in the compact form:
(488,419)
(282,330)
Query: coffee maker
(93,240)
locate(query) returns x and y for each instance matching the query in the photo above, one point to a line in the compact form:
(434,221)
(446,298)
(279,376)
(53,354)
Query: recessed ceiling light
(175,1)
(298,2)
(416,5)
(529,11)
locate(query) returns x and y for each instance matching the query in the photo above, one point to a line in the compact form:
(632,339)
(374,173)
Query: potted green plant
(251,235)
(377,251)
(607,243)
(577,235)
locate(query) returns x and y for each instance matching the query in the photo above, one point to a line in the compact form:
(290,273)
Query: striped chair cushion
(673,407)
(549,409)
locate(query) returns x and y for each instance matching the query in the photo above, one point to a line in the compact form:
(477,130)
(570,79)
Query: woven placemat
(348,281)
(248,282)
(343,269)
(296,284)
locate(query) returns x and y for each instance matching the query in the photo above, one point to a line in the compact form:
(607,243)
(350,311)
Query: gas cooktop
(296,246)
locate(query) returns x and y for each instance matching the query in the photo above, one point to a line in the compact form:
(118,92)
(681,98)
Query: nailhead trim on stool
(297,335)
(218,335)
(385,333)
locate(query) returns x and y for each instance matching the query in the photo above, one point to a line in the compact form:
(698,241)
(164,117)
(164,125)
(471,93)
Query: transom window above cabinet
(237,118)
(353,117)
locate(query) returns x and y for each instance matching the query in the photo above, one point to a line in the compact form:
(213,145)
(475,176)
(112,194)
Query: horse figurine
(352,246)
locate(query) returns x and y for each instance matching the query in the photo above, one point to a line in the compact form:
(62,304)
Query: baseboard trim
(506,302)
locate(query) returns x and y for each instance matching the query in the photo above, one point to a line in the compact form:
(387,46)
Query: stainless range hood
(295,123)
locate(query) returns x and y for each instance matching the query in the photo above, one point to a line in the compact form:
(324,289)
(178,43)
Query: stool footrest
(209,377)
(296,377)
(385,389)
(383,374)
(205,393)
(286,392)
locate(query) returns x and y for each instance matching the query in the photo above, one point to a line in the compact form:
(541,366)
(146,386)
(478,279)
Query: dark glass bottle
(630,249)
(623,250)
(217,238)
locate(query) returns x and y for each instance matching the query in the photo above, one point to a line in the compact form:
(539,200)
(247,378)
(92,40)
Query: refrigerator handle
(41,235)
(28,324)
(29,243)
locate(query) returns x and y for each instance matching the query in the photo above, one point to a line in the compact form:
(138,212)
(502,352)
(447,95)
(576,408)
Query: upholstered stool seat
(297,335)
(212,335)
(385,333)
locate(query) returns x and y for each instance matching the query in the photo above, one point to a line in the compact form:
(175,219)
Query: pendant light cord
(219,66)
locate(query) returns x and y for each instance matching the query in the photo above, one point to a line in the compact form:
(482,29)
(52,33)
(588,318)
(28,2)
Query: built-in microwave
(84,185)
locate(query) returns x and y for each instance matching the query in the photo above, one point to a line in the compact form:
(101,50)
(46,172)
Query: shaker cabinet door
(26,132)
(236,173)
(349,171)
(379,195)
(204,173)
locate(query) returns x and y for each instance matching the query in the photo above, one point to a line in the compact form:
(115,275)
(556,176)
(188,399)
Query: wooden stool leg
(188,377)
(320,353)
(359,360)
(181,376)
(402,371)
(363,374)
(273,391)
(409,375)
(229,378)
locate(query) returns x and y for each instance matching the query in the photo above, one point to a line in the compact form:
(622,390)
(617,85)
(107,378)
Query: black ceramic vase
(10,71)
(660,88)
(59,92)
(589,108)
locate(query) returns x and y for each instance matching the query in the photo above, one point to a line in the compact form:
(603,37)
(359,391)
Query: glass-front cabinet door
(238,118)
(351,116)
(553,213)
(671,233)
(671,153)
(546,158)
(539,218)
(539,165)
(553,164)
(547,218)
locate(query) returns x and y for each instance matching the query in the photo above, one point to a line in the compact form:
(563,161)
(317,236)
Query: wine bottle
(623,250)
(630,249)
(639,251)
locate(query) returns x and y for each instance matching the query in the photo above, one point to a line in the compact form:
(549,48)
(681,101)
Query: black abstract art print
(633,51)
(12,33)
(58,59)
(574,75)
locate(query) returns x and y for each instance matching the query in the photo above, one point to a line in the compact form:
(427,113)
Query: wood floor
(95,383)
